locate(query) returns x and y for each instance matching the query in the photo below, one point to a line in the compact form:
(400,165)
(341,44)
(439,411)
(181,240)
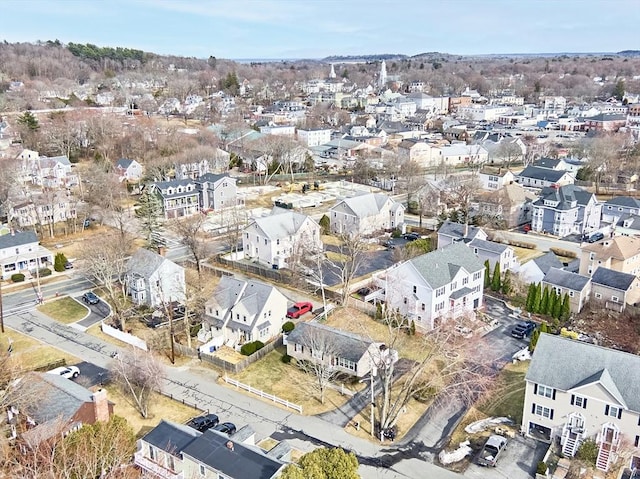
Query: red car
(298,309)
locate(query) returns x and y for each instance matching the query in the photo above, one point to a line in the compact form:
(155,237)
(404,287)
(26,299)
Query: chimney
(162,251)
(101,405)
(466,228)
(230,445)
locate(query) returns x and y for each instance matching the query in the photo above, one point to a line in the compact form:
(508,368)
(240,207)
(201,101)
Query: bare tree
(190,231)
(345,262)
(459,191)
(138,373)
(322,353)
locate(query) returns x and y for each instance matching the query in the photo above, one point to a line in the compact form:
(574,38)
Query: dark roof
(565,196)
(439,267)
(344,345)
(230,458)
(144,263)
(584,363)
(124,163)
(456,230)
(461,293)
(550,163)
(613,279)
(566,279)
(170,437)
(17,239)
(626,201)
(608,117)
(632,222)
(487,245)
(538,173)
(547,261)
(211,178)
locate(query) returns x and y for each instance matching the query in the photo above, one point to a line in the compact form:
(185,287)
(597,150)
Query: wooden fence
(272,274)
(262,394)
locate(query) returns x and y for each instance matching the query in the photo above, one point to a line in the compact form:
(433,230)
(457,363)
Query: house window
(578,401)
(570,294)
(613,411)
(298,348)
(542,411)
(545,391)
(152,453)
(598,296)
(415,289)
(203,471)
(244,318)
(476,276)
(404,300)
(277,241)
(317,354)
(636,442)
(345,363)
(465,281)
(592,256)
(615,299)
(265,241)
(423,307)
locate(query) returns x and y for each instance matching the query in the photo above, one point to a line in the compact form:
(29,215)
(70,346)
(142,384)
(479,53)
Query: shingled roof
(613,279)
(439,267)
(566,279)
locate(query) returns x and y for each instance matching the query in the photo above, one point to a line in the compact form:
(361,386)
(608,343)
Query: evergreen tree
(487,274)
(325,225)
(530,297)
(506,283)
(59,261)
(537,299)
(557,306)
(412,328)
(544,328)
(544,303)
(535,335)
(28,121)
(496,281)
(149,211)
(565,309)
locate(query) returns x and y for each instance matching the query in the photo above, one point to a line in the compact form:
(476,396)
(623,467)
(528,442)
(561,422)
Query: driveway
(372,261)
(97,312)
(518,460)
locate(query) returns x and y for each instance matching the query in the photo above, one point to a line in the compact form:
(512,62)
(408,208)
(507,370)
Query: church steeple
(382,78)
(332,74)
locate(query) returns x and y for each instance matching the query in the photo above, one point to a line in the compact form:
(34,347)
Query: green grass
(65,310)
(508,398)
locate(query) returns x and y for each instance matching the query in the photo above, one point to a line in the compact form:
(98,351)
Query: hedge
(288,327)
(44,272)
(249,348)
(563,252)
(522,244)
(17,277)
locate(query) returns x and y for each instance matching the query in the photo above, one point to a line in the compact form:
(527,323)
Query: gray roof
(170,437)
(550,163)
(626,201)
(344,345)
(281,223)
(365,205)
(632,222)
(486,245)
(538,173)
(565,196)
(566,279)
(456,230)
(17,239)
(124,163)
(439,267)
(461,293)
(144,263)
(613,279)
(211,178)
(162,186)
(547,261)
(584,363)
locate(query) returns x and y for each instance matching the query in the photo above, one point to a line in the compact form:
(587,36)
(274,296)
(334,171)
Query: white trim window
(542,411)
(345,363)
(545,391)
(613,411)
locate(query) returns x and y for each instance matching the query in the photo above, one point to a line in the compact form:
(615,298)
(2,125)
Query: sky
(292,29)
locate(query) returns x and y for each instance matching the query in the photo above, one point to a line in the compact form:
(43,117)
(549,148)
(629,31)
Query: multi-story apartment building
(314,136)
(566,210)
(594,395)
(620,253)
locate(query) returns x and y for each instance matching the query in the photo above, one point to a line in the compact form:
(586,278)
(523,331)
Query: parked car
(491,451)
(298,309)
(202,423)
(68,265)
(595,237)
(226,427)
(411,236)
(90,298)
(69,372)
(523,329)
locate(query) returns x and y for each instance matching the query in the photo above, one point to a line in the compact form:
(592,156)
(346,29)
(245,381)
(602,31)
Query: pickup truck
(491,451)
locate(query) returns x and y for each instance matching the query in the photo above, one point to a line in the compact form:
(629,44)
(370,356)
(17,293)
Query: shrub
(17,277)
(541,468)
(44,272)
(286,359)
(588,451)
(563,252)
(522,244)
(59,262)
(396,233)
(249,348)
(288,327)
(325,224)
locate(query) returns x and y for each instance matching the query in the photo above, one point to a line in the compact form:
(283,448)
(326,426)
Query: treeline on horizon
(93,52)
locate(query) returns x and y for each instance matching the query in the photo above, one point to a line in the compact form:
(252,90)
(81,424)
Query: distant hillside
(364,58)
(629,53)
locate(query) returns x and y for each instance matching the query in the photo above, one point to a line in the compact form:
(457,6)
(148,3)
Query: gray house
(566,210)
(154,280)
(594,395)
(563,282)
(217,191)
(619,206)
(451,232)
(615,289)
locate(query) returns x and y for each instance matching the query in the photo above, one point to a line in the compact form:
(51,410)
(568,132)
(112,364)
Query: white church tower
(382,78)
(332,74)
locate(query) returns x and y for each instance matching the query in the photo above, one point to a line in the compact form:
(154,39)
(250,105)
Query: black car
(226,427)
(595,237)
(90,298)
(202,423)
(411,236)
(523,329)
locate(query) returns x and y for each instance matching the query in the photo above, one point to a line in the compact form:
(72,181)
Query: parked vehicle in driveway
(226,427)
(523,329)
(411,236)
(90,298)
(595,237)
(298,309)
(491,450)
(69,372)
(202,423)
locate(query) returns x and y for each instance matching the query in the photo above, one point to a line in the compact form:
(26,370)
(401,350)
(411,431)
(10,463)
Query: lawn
(32,354)
(64,310)
(288,382)
(508,398)
(525,254)
(161,407)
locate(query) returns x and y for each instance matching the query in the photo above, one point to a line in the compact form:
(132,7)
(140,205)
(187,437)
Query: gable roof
(618,247)
(343,344)
(613,279)
(281,223)
(486,245)
(212,178)
(632,222)
(544,174)
(566,279)
(565,196)
(584,363)
(626,201)
(365,205)
(124,163)
(17,239)
(144,263)
(550,163)
(547,261)
(456,230)
(170,437)
(439,267)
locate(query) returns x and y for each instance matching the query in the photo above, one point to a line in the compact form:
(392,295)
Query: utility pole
(1,310)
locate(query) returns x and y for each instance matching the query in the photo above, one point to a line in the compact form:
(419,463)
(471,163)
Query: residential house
(594,395)
(217,192)
(176,451)
(495,180)
(614,289)
(418,151)
(566,210)
(314,136)
(451,232)
(20,252)
(179,198)
(495,253)
(537,177)
(347,352)
(242,311)
(627,225)
(192,170)
(446,283)
(557,164)
(620,253)
(461,154)
(281,239)
(46,209)
(512,203)
(534,271)
(365,214)
(48,172)
(577,286)
(619,206)
(154,280)
(128,170)
(62,406)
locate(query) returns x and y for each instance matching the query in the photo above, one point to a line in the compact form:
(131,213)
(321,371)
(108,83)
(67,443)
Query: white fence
(263,394)
(124,337)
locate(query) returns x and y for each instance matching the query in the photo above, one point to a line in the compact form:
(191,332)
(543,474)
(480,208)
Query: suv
(411,236)
(90,298)
(298,309)
(202,423)
(523,329)
(226,428)
(595,237)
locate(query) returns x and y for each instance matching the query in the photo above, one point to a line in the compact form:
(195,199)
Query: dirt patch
(230,355)
(610,329)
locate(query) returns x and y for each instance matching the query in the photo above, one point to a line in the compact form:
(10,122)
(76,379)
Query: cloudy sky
(317,28)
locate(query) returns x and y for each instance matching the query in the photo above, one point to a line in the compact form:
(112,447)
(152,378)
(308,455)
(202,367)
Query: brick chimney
(101,405)
(230,445)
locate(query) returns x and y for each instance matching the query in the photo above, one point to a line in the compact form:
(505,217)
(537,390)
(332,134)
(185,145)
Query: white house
(128,170)
(314,136)
(279,239)
(538,177)
(21,253)
(242,311)
(495,180)
(154,280)
(446,283)
(365,214)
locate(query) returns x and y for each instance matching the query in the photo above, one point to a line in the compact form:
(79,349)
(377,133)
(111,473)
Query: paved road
(97,312)
(543,243)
